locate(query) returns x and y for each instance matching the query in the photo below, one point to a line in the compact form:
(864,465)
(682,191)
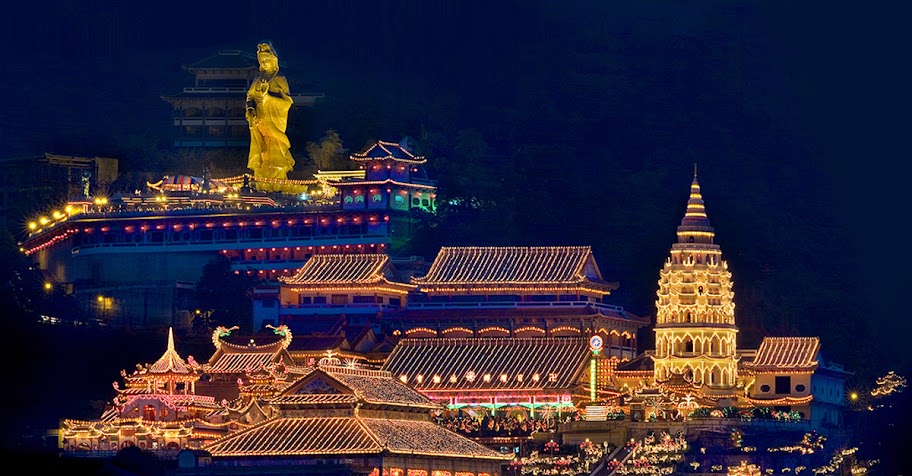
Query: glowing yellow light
(48,286)
(57,215)
(32,225)
(100,298)
(69,209)
(854,396)
(43,220)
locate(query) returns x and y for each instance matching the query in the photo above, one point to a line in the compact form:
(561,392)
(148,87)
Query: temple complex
(462,369)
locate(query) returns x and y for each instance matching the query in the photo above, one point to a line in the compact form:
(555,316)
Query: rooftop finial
(171,339)
(695,170)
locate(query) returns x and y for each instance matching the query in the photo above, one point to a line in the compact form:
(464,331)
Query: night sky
(797,116)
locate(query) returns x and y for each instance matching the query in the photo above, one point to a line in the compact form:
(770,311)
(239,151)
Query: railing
(514,304)
(211,243)
(366,305)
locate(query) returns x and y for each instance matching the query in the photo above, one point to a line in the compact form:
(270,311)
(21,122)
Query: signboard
(596,343)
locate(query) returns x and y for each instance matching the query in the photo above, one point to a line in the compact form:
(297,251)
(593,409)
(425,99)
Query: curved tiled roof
(512,265)
(425,437)
(236,362)
(226,59)
(302,436)
(510,363)
(340,269)
(786,353)
(297,437)
(380,387)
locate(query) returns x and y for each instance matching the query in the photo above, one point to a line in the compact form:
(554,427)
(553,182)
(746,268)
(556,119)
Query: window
(783,384)
(425,202)
(303,300)
(340,299)
(349,199)
(377,198)
(319,299)
(800,388)
(399,199)
(394,302)
(764,388)
(359,199)
(367,299)
(416,201)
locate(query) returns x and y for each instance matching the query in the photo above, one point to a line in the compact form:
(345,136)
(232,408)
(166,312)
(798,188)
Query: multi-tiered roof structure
(159,408)
(357,421)
(695,311)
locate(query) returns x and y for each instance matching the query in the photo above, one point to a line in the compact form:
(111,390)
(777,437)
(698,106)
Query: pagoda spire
(170,361)
(695,226)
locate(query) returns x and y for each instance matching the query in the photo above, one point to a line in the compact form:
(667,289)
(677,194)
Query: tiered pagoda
(158,409)
(695,312)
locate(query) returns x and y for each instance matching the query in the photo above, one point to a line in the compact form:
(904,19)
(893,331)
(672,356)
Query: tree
(328,154)
(223,296)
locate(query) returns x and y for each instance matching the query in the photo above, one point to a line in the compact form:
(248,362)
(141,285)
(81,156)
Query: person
(268,102)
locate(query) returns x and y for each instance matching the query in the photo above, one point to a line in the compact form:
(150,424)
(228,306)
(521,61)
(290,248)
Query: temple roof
(230,357)
(642,362)
(786,353)
(348,435)
(388,151)
(509,363)
(342,269)
(170,362)
(226,59)
(514,265)
(368,386)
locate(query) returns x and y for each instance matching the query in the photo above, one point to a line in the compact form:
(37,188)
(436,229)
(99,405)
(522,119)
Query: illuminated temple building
(134,259)
(696,354)
(252,405)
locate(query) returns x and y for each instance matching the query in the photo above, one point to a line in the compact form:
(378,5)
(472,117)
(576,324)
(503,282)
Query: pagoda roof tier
(514,266)
(388,151)
(786,354)
(225,59)
(356,182)
(349,435)
(170,362)
(468,364)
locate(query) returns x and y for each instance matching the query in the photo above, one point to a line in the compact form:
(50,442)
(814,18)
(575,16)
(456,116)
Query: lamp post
(103,307)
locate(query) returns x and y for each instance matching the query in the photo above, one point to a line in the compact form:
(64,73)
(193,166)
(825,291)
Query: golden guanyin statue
(268,102)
